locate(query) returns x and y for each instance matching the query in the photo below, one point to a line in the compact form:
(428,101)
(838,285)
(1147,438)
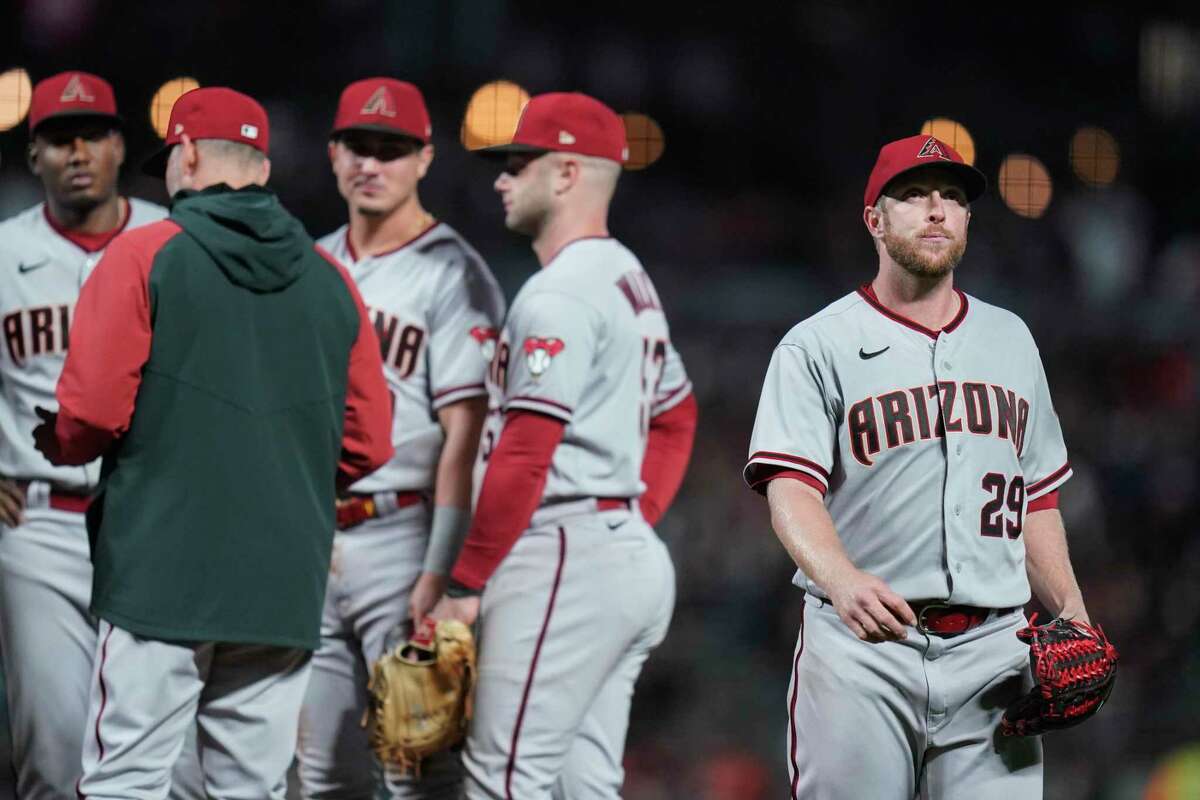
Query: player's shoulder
(830,321)
(995,321)
(445,246)
(334,242)
(23,222)
(585,268)
(143,212)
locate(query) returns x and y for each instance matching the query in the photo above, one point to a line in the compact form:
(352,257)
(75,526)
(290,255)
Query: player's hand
(45,439)
(425,595)
(12,503)
(463,609)
(869,608)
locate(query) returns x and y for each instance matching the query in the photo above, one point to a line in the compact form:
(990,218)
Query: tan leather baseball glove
(422,694)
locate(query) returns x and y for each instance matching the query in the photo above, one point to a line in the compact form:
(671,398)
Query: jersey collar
(89,242)
(868,293)
(424,232)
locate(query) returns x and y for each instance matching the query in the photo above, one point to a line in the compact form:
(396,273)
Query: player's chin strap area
(42,494)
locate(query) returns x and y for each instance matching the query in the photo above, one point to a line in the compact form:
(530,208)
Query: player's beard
(920,262)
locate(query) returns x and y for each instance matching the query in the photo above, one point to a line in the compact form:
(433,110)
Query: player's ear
(119,147)
(31,158)
(333,155)
(873,219)
(566,174)
(424,159)
(264,172)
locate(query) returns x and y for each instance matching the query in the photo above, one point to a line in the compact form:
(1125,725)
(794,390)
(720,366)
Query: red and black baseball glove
(1075,667)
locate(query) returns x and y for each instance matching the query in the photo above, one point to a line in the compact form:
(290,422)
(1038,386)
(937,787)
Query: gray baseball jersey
(436,309)
(930,446)
(41,272)
(47,635)
(586,341)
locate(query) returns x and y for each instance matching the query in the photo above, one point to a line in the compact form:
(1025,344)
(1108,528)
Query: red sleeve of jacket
(110,342)
(367,430)
(668,450)
(512,489)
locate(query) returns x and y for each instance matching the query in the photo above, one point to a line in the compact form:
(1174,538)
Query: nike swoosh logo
(864,355)
(612,526)
(23,268)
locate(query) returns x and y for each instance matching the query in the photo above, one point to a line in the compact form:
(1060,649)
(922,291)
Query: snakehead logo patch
(381,103)
(76,92)
(486,338)
(539,352)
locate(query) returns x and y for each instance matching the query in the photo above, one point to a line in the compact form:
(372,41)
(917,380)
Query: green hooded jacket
(215,514)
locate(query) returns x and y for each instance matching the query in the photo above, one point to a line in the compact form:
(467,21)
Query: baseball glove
(422,694)
(1075,667)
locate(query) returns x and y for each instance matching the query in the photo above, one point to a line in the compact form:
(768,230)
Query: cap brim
(378,129)
(974,181)
(156,165)
(501,150)
(79,114)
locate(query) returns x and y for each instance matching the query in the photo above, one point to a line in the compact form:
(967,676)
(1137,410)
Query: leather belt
(61,499)
(613,504)
(355,509)
(945,620)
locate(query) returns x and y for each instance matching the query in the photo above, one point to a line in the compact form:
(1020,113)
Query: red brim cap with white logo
(72,94)
(383,105)
(567,122)
(918,152)
(213,112)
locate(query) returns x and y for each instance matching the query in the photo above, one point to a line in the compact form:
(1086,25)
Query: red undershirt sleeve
(367,430)
(668,450)
(110,343)
(512,489)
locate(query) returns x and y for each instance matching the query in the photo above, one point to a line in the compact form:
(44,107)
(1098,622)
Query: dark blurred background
(1087,117)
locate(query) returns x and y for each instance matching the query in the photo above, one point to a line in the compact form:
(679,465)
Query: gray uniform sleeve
(554,339)
(1042,451)
(674,385)
(466,311)
(794,429)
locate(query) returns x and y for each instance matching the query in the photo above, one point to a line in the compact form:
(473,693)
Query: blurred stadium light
(164,99)
(15,92)
(1025,185)
(1095,156)
(952,133)
(1177,776)
(645,138)
(492,114)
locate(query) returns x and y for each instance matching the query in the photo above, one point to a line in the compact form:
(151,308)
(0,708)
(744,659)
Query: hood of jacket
(248,233)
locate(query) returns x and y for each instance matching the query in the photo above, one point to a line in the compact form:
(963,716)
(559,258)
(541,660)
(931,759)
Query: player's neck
(101,218)
(559,231)
(371,235)
(931,302)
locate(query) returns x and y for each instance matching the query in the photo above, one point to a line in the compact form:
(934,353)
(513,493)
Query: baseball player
(436,310)
(226,368)
(911,456)
(597,411)
(47,635)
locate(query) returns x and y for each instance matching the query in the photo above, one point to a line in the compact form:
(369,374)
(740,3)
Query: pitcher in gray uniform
(436,309)
(911,456)
(47,635)
(577,588)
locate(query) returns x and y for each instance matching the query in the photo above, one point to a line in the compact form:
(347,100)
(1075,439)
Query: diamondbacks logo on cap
(932,149)
(76,92)
(564,137)
(486,338)
(250,131)
(539,352)
(381,103)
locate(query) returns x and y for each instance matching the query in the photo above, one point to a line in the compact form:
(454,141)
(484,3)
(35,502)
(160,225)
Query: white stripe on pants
(244,699)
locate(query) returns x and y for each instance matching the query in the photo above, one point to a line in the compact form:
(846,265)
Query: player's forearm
(462,423)
(1048,565)
(668,449)
(806,530)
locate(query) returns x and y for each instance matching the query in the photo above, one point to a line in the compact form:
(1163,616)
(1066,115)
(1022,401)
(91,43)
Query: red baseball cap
(213,112)
(385,105)
(72,94)
(916,152)
(567,122)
